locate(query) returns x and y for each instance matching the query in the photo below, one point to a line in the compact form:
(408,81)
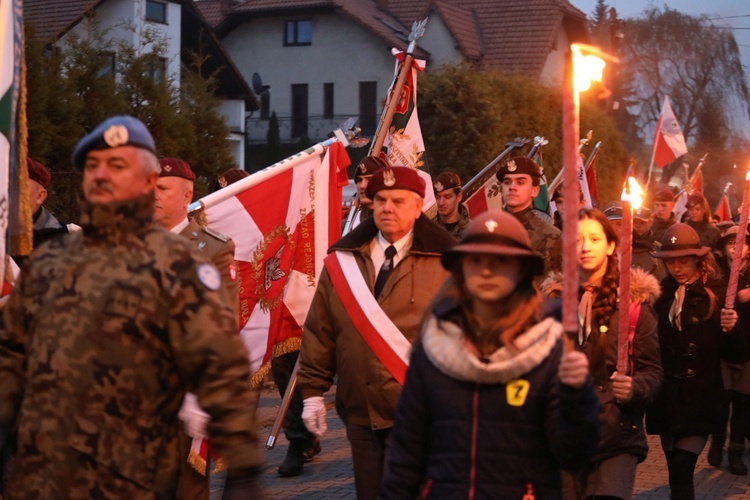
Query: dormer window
(156,12)
(298,32)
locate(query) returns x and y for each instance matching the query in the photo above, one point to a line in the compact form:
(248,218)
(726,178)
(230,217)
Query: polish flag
(669,143)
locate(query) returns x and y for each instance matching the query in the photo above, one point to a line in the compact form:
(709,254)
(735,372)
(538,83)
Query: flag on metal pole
(281,228)
(669,143)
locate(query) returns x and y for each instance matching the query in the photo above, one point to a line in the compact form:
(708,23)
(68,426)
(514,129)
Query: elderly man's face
(37,195)
(395,211)
(173,195)
(115,174)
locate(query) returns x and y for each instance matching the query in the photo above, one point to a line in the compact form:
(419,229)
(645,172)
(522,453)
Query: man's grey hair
(149,162)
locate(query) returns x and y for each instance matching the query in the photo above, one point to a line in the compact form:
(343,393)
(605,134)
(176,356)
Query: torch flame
(586,69)
(747,176)
(636,193)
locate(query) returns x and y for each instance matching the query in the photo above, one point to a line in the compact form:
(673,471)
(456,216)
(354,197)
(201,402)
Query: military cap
(664,195)
(113,132)
(494,232)
(368,166)
(680,240)
(38,172)
(174,167)
(695,199)
(519,165)
(229,177)
(731,235)
(642,213)
(395,178)
(446,180)
(614,211)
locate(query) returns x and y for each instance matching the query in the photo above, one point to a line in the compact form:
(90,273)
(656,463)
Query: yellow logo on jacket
(516,392)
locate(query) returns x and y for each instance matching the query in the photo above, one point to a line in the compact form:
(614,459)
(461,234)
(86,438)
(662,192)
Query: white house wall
(341,53)
(554,67)
(439,42)
(125,20)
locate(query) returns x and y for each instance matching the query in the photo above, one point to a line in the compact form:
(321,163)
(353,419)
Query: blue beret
(112,133)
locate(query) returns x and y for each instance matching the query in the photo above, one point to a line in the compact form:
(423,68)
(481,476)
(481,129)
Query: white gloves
(314,415)
(194,420)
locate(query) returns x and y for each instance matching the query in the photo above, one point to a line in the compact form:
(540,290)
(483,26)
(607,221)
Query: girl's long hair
(605,302)
(518,312)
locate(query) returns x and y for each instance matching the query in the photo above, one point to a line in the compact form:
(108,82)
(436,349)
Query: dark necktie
(385,270)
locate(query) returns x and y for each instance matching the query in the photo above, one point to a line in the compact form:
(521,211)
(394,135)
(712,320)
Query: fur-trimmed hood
(644,288)
(429,238)
(444,344)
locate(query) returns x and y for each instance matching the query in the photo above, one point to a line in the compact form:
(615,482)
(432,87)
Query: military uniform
(219,250)
(106,330)
(457,228)
(659,226)
(545,238)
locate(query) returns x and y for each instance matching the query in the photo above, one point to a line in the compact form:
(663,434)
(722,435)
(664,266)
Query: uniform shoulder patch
(221,237)
(209,276)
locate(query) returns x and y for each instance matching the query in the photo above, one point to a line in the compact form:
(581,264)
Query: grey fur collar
(644,288)
(444,344)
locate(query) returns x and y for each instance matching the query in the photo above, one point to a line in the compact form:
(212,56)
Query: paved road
(329,476)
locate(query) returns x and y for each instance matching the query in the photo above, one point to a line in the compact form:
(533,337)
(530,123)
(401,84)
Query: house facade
(317,62)
(141,23)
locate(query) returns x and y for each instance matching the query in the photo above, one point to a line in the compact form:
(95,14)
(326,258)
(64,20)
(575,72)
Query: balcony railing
(318,128)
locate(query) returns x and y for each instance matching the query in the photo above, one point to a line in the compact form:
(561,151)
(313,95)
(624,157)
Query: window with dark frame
(299,110)
(368,107)
(156,12)
(107,64)
(298,32)
(328,101)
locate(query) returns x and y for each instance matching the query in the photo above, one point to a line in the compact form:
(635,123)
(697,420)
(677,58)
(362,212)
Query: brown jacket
(366,392)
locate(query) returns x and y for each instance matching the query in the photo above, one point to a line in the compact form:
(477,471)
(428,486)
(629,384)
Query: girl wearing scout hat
(623,395)
(736,374)
(694,332)
(489,392)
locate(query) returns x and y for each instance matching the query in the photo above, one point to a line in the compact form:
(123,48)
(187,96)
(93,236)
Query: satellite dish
(257,84)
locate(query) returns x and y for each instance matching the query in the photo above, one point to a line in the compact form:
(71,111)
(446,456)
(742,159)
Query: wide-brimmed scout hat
(731,234)
(680,240)
(494,232)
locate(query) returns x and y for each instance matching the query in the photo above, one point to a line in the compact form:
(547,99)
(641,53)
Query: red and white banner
(669,143)
(723,211)
(281,229)
(488,197)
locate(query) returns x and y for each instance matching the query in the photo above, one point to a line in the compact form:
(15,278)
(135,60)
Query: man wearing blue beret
(105,332)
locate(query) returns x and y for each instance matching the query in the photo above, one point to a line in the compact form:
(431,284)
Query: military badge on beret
(116,135)
(491,225)
(389,178)
(438,186)
(512,166)
(209,276)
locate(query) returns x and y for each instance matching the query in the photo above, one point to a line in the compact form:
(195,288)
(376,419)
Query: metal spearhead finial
(417,29)
(349,130)
(540,141)
(726,187)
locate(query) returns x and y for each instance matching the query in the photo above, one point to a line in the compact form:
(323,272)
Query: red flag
(488,197)
(591,180)
(723,211)
(281,227)
(695,184)
(669,143)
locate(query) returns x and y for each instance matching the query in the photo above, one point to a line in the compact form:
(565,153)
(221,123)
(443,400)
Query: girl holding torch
(492,405)
(623,394)
(694,331)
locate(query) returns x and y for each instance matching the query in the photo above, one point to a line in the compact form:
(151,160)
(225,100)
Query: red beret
(368,166)
(174,167)
(519,165)
(38,172)
(395,178)
(664,195)
(446,180)
(230,177)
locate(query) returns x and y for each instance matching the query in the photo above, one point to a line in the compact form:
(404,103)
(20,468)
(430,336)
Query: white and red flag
(488,197)
(282,226)
(669,143)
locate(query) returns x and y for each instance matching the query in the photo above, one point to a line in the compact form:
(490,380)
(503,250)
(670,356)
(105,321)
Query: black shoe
(715,452)
(293,462)
(736,465)
(313,449)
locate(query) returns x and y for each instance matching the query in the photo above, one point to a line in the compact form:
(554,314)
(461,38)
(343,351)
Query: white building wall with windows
(341,52)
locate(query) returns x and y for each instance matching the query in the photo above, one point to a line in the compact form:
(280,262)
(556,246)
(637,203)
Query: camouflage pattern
(545,237)
(457,230)
(106,330)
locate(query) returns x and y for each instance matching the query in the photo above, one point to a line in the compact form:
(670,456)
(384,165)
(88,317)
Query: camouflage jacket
(106,330)
(457,230)
(545,237)
(659,227)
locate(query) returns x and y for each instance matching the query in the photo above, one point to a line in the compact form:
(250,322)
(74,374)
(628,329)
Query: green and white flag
(10,63)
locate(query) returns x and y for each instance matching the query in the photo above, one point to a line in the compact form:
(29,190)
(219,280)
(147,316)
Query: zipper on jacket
(474,432)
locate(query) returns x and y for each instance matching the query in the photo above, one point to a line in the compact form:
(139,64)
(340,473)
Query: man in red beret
(362,175)
(46,226)
(451,214)
(663,214)
(173,194)
(367,309)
